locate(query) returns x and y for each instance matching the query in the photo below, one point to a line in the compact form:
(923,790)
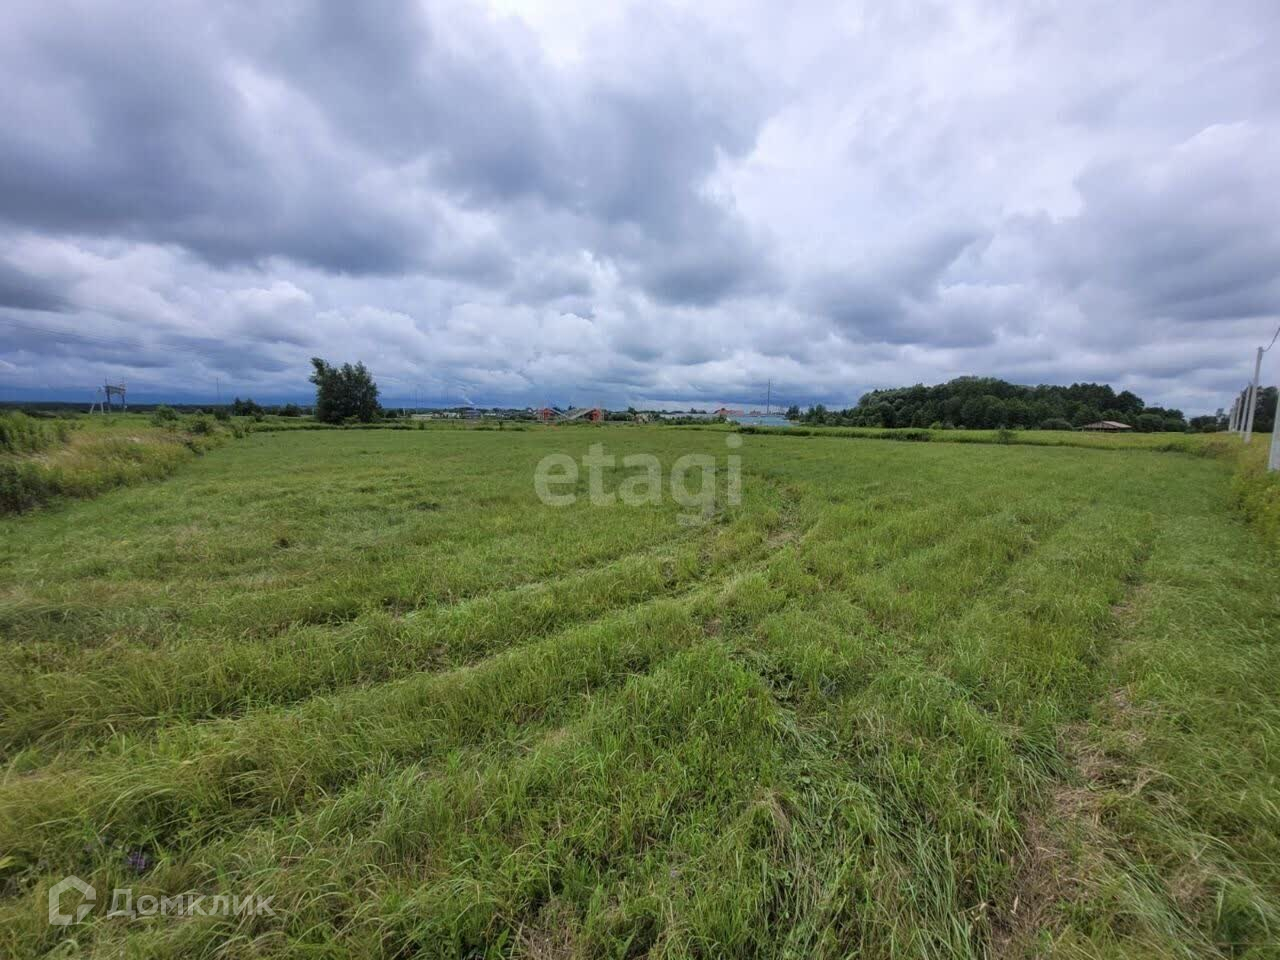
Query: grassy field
(43,460)
(903,700)
(1097,440)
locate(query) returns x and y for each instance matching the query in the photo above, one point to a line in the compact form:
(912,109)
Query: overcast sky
(656,204)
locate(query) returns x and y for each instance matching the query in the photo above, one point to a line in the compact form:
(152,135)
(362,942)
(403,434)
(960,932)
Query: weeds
(22,434)
(47,461)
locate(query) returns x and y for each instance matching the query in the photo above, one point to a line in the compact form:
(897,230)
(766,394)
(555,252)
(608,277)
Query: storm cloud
(658,204)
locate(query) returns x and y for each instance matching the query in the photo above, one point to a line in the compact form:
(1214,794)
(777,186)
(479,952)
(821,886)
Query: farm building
(594,414)
(547,414)
(1106,425)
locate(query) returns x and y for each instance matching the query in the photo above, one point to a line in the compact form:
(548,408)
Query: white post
(1231,417)
(1252,400)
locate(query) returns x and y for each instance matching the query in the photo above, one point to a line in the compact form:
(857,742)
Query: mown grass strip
(452,858)
(194,682)
(1166,826)
(201,779)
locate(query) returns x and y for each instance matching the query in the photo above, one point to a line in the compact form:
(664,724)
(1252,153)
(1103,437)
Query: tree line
(986,403)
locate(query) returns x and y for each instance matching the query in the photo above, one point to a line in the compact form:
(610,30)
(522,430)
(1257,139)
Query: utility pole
(1231,418)
(1252,401)
(768,398)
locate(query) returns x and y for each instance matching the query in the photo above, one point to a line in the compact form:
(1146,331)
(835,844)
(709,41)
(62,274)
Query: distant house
(727,412)
(681,415)
(547,414)
(593,414)
(1106,425)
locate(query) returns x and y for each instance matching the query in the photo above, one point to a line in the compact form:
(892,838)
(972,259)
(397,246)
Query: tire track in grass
(1022,662)
(1031,654)
(937,786)
(950,768)
(1037,879)
(1152,838)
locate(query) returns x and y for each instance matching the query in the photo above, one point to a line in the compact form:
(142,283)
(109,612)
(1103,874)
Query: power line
(1273,340)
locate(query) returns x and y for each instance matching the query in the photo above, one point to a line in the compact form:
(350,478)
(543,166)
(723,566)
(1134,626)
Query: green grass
(46,461)
(1198,444)
(904,700)
(20,433)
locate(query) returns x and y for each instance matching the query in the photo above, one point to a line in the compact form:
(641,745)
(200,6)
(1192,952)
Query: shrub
(1257,493)
(920,436)
(164,416)
(201,424)
(20,434)
(1056,423)
(23,486)
(1005,435)
(1150,422)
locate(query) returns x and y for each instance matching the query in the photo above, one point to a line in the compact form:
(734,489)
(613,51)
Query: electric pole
(1251,399)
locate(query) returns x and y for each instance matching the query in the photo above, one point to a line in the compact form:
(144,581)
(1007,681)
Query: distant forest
(979,403)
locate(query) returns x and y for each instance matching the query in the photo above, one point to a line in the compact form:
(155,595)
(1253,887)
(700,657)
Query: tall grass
(1256,490)
(47,462)
(905,701)
(1163,442)
(22,434)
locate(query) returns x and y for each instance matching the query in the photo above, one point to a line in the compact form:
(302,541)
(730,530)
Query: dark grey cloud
(895,298)
(128,122)
(159,133)
(25,292)
(1178,236)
